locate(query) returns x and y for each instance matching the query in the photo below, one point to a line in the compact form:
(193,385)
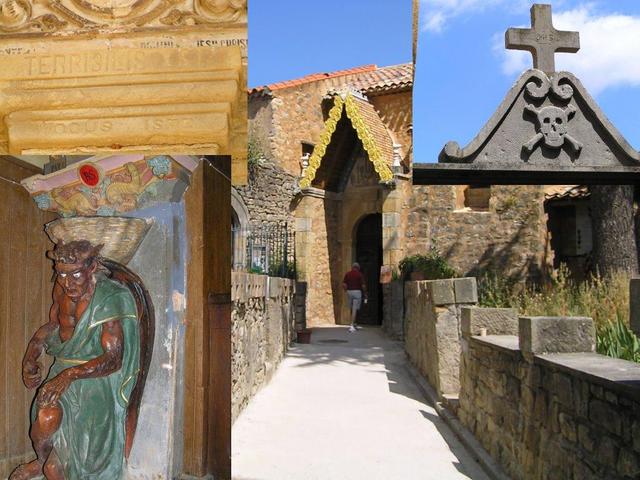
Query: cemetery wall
(433,328)
(567,415)
(510,237)
(262,327)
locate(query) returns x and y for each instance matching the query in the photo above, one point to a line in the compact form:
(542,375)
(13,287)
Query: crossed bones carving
(552,124)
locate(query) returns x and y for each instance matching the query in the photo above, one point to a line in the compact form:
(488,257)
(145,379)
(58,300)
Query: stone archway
(239,230)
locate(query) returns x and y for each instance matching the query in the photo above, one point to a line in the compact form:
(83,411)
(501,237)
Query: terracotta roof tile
(566,192)
(377,129)
(368,79)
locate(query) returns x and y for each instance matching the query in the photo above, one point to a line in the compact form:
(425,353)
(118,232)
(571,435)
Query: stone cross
(542,40)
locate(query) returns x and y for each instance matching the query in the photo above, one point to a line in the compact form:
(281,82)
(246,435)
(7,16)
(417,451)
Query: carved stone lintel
(51,16)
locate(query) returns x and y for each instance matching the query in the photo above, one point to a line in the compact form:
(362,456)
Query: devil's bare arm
(31,368)
(112,340)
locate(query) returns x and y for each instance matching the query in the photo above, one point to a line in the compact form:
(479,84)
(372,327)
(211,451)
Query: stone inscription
(104,126)
(111,62)
(116,61)
(78,127)
(222,42)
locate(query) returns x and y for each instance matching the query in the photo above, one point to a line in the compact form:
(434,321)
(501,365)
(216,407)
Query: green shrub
(257,270)
(433,265)
(283,269)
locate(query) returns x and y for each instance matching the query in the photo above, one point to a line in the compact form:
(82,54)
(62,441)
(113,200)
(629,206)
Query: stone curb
(488,464)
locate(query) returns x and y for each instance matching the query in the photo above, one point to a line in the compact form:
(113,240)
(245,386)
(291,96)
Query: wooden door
(207,418)
(25,299)
(369,256)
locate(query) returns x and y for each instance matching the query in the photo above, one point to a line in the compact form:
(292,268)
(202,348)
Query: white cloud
(609,55)
(436,14)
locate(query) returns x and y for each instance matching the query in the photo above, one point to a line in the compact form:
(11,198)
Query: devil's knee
(49,415)
(49,470)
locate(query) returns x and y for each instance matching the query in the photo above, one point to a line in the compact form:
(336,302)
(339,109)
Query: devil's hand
(51,392)
(32,373)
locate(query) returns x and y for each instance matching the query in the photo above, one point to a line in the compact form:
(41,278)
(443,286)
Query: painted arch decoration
(356,110)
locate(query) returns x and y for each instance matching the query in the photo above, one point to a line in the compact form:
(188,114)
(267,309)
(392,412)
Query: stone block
(275,286)
(628,464)
(391,220)
(441,292)
(556,334)
(303,224)
(605,416)
(567,427)
(497,321)
(586,438)
(634,305)
(466,290)
(607,452)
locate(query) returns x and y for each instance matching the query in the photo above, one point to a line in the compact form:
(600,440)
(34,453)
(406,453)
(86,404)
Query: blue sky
(463,71)
(293,38)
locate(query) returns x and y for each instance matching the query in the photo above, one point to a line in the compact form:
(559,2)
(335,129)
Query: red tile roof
(369,78)
(566,192)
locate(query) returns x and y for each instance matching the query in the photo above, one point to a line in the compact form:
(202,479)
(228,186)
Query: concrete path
(345,408)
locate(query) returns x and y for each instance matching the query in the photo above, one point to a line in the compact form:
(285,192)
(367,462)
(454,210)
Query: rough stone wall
(263,326)
(268,194)
(396,111)
(260,129)
(509,238)
(541,419)
(433,328)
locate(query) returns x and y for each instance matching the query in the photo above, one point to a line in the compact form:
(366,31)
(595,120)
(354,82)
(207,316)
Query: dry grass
(604,300)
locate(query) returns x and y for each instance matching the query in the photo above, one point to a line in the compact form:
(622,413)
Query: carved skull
(553,124)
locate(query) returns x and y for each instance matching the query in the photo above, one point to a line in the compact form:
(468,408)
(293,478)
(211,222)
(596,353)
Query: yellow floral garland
(382,169)
(318,152)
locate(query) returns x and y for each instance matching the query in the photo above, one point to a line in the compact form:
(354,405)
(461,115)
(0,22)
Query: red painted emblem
(89,175)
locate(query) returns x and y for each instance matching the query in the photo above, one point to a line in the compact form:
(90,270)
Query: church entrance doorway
(368,252)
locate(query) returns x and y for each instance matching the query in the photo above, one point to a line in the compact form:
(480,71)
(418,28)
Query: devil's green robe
(91,437)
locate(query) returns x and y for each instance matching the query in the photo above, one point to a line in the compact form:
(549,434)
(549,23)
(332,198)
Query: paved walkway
(345,408)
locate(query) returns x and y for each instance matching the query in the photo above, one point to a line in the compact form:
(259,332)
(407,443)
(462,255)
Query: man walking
(356,288)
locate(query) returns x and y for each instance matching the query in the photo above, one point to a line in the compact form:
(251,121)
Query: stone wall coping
(447,291)
(496,321)
(540,335)
(621,376)
(251,285)
(506,343)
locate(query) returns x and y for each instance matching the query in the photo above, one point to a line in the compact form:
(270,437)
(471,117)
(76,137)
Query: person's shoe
(357,327)
(352,329)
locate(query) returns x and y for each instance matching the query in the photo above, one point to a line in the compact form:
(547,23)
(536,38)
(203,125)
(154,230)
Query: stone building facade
(335,150)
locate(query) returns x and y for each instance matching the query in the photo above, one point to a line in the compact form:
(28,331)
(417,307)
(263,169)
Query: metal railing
(265,249)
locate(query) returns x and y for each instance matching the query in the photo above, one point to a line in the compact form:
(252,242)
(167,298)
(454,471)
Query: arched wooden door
(369,256)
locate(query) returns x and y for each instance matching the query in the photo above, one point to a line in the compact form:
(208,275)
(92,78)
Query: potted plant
(431,266)
(304,335)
